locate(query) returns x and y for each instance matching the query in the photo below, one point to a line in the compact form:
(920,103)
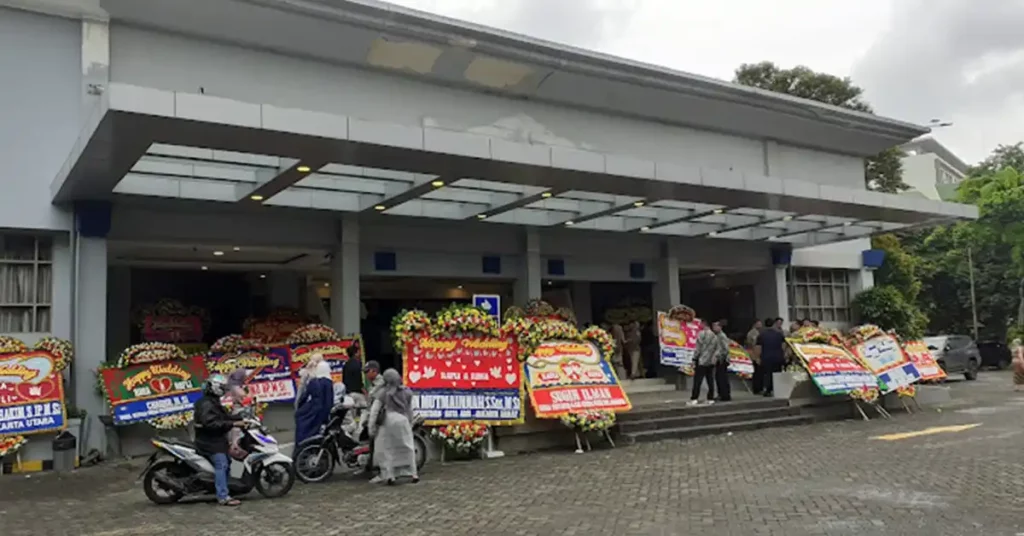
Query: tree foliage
(886,307)
(1004,156)
(883,172)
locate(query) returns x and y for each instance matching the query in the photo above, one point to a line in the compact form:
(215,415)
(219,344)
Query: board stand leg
(579,445)
(586,441)
(905,406)
(881,411)
(747,385)
(608,436)
(861,411)
(444,450)
(917,407)
(489,452)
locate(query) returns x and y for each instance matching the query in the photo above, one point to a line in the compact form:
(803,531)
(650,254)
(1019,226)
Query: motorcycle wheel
(282,476)
(306,471)
(421,451)
(155,491)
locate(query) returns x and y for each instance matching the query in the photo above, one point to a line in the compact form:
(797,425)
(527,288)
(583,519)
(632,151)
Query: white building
(931,170)
(243,154)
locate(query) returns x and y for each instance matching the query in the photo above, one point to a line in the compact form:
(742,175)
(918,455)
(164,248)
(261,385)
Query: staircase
(661,415)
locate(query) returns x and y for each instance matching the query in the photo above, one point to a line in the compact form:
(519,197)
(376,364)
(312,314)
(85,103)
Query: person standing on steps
(711,349)
(722,363)
(751,345)
(770,348)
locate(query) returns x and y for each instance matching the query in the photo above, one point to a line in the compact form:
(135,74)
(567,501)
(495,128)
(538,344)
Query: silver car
(955,354)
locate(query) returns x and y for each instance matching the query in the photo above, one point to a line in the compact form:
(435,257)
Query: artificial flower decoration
(909,391)
(682,313)
(170,422)
(865,332)
(865,394)
(589,421)
(566,314)
(149,352)
(230,344)
(461,437)
(602,339)
(539,308)
(11,345)
(406,326)
(170,307)
(463,319)
(60,349)
(11,444)
(312,334)
(514,313)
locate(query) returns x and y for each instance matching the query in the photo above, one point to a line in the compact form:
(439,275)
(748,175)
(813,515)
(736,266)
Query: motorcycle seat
(176,442)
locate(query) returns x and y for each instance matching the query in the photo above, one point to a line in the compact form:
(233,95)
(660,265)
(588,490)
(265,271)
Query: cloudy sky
(954,60)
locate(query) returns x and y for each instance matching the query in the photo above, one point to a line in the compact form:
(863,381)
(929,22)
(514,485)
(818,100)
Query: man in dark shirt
(352,373)
(770,345)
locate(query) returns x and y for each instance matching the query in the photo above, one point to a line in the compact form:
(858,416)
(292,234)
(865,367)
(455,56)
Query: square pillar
(345,300)
(528,285)
(90,335)
(666,292)
(581,302)
(782,294)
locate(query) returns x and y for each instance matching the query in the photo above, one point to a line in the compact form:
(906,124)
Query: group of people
(388,415)
(627,358)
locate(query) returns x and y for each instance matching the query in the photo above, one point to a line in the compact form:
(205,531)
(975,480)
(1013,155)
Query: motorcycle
(316,457)
(187,472)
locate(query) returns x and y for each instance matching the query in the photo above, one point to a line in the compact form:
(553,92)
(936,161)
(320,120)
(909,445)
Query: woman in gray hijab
(393,447)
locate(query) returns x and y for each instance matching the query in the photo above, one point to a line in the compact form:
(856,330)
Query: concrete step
(687,419)
(721,428)
(673,408)
(646,385)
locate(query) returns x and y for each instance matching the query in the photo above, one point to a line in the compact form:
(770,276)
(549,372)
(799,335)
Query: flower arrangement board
(678,341)
(269,373)
(465,377)
(172,328)
(883,356)
(740,363)
(275,328)
(919,354)
(31,393)
(571,377)
(145,391)
(832,368)
(335,354)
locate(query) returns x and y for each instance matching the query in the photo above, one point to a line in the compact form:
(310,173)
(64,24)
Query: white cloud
(955,60)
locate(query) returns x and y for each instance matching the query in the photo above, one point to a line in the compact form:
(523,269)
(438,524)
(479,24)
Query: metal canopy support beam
(819,229)
(684,219)
(269,183)
(396,193)
(632,203)
(521,202)
(758,223)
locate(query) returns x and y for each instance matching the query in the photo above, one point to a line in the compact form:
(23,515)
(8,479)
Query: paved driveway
(830,478)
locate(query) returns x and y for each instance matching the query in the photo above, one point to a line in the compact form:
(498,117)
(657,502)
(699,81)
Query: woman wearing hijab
(314,406)
(306,373)
(391,429)
(1017,350)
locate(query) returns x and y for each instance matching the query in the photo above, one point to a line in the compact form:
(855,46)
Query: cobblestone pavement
(827,478)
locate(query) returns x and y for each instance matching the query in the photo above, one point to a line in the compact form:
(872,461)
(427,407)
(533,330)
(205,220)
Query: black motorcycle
(316,457)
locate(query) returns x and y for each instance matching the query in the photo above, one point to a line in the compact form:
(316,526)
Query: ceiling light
(546,195)
(787,218)
(327,284)
(460,287)
(481,216)
(550,283)
(218,253)
(263,276)
(379,208)
(303,169)
(638,204)
(203,268)
(718,211)
(847,224)
(570,222)
(713,233)
(236,248)
(256,197)
(712,274)
(437,184)
(645,228)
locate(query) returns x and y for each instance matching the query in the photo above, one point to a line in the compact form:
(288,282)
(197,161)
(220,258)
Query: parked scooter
(187,472)
(316,457)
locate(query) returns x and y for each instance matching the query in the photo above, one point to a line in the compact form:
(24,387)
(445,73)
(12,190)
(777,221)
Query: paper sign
(31,394)
(833,369)
(885,359)
(678,342)
(565,376)
(918,354)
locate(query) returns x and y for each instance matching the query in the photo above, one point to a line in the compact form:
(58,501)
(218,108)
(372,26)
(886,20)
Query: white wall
(145,58)
(40,58)
(815,166)
(919,173)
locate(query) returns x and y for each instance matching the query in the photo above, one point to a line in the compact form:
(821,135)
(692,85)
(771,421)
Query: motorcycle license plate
(149,463)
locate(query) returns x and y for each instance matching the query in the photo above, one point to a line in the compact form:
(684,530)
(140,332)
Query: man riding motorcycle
(212,425)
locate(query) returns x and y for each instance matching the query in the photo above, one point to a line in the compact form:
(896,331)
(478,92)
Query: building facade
(348,157)
(931,169)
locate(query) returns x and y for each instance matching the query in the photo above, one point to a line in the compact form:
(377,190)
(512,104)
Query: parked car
(956,354)
(994,354)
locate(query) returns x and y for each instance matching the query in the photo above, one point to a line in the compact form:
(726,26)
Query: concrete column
(119,305)
(90,334)
(861,280)
(285,290)
(581,301)
(528,285)
(345,300)
(666,290)
(782,294)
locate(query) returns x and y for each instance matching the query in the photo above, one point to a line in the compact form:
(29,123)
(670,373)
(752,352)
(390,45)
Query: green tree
(882,172)
(900,269)
(886,307)
(1004,156)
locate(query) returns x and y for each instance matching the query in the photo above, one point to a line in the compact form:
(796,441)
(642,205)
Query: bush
(886,307)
